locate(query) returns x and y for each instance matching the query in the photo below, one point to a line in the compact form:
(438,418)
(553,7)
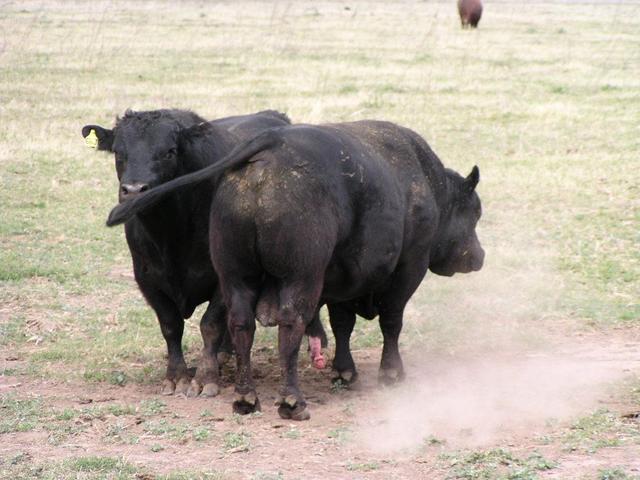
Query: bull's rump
(330,202)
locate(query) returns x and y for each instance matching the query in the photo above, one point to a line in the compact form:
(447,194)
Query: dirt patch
(580,466)
(446,403)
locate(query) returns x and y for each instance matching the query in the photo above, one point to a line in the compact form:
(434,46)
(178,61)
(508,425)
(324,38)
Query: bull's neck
(162,221)
(206,150)
(167,221)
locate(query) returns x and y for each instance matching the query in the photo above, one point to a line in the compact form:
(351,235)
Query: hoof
(182,387)
(211,390)
(346,378)
(245,404)
(291,409)
(390,376)
(296,413)
(194,389)
(168,387)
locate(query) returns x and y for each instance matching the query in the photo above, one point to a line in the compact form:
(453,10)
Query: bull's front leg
(291,328)
(342,322)
(391,368)
(392,303)
(213,328)
(172,326)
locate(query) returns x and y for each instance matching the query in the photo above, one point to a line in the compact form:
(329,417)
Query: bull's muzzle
(130,190)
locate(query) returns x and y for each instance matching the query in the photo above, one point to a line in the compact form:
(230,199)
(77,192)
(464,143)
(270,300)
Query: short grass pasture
(528,369)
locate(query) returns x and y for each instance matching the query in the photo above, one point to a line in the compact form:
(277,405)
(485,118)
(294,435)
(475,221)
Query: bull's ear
(98,137)
(182,140)
(187,135)
(472,180)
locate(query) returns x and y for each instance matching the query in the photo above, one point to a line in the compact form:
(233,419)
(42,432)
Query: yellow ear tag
(92,139)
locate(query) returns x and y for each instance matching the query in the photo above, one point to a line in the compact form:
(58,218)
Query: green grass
(544,105)
(20,414)
(90,468)
(13,331)
(615,474)
(601,429)
(268,476)
(236,441)
(25,414)
(100,464)
(496,464)
(200,434)
(291,433)
(340,435)
(363,467)
(152,407)
(93,468)
(166,429)
(191,475)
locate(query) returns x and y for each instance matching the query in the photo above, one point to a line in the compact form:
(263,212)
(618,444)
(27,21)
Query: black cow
(470,12)
(169,243)
(351,215)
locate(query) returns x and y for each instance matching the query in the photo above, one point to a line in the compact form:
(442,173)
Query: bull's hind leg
(298,305)
(213,329)
(342,322)
(172,326)
(242,326)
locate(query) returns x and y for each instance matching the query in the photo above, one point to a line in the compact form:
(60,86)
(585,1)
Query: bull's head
(457,247)
(145,145)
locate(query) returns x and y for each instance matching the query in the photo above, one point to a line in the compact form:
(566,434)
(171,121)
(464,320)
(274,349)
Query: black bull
(350,215)
(169,243)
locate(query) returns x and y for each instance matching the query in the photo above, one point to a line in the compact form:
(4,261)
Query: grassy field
(544,97)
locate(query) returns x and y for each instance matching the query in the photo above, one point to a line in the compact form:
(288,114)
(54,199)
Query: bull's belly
(365,263)
(352,276)
(186,289)
(195,292)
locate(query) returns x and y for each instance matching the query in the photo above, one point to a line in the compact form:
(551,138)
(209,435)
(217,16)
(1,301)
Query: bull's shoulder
(283,117)
(243,127)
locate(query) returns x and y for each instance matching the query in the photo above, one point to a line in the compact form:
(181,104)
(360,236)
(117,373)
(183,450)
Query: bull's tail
(238,156)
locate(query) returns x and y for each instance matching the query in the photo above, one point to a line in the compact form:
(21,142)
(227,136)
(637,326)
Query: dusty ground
(525,403)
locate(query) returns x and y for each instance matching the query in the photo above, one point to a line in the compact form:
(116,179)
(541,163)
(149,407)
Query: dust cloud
(479,400)
(491,356)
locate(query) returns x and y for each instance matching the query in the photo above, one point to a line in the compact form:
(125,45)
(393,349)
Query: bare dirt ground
(523,402)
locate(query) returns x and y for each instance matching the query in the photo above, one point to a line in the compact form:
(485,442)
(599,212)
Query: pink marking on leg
(317,358)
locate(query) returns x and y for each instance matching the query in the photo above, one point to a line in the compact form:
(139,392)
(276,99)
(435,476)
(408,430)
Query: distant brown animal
(470,12)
